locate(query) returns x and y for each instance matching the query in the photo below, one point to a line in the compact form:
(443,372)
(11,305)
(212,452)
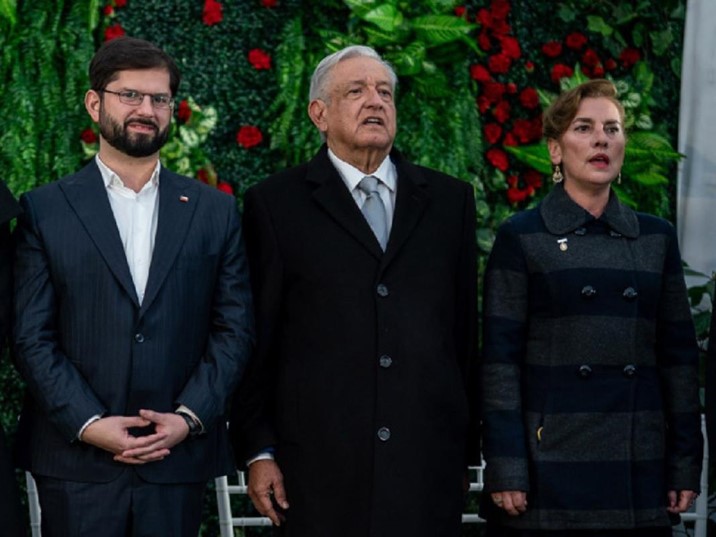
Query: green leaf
(598,25)
(536,156)
(638,34)
(361,7)
(386,17)
(649,179)
(409,60)
(566,13)
(8,11)
(440,29)
(660,41)
(623,196)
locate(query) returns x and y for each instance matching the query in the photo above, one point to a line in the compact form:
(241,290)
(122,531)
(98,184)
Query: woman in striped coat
(591,411)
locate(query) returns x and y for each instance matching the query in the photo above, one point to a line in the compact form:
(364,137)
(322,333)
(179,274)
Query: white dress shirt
(387,177)
(136,215)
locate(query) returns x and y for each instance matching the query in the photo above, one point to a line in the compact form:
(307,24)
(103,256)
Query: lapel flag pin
(562,244)
(183,199)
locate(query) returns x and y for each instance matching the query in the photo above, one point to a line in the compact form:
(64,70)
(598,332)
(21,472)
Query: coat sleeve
(710,383)
(56,385)
(505,306)
(231,332)
(252,422)
(678,359)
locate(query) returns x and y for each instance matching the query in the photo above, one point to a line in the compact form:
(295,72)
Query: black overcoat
(590,368)
(363,356)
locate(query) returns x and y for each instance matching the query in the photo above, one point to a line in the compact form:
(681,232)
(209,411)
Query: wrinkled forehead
(359,70)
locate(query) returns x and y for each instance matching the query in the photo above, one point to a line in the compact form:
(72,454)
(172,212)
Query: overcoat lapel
(87,195)
(333,196)
(177,204)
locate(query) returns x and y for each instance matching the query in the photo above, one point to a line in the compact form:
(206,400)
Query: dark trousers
(499,531)
(125,507)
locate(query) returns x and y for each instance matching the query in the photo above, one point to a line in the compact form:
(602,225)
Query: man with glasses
(133,319)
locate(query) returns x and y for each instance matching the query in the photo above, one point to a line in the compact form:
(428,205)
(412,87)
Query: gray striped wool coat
(590,368)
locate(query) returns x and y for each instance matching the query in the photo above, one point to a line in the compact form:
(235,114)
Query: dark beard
(137,145)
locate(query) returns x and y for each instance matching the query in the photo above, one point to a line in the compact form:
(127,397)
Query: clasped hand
(112,434)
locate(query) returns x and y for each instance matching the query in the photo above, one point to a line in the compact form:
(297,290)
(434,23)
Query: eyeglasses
(160,101)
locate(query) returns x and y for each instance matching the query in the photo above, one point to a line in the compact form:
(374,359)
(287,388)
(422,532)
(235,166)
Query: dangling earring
(557,174)
(619,178)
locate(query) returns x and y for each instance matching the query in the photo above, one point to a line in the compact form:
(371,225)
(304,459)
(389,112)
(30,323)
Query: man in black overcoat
(711,388)
(357,418)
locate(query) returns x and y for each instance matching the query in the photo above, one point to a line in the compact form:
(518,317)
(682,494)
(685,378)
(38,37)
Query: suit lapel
(87,195)
(333,196)
(177,202)
(410,202)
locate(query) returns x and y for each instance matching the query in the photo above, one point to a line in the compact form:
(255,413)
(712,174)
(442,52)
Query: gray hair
(323,70)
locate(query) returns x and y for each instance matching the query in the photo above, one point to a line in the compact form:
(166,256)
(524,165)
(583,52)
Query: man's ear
(555,151)
(92,104)
(317,112)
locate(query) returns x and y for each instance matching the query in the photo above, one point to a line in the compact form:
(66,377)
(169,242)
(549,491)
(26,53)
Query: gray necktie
(374,210)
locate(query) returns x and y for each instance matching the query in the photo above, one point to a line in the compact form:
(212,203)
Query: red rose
(510,47)
(484,18)
(560,71)
(598,71)
(259,59)
(269,3)
(212,12)
(499,63)
(533,178)
(515,195)
(120,3)
(610,64)
(183,111)
(88,136)
(502,111)
(529,66)
(521,129)
(225,187)
(629,57)
(536,128)
(575,40)
(513,181)
(511,88)
(113,32)
(483,104)
(552,49)
(500,9)
(460,11)
(590,58)
(493,91)
(529,98)
(249,136)
(108,11)
(479,73)
(492,132)
(498,158)
(202,175)
(510,140)
(500,27)
(484,41)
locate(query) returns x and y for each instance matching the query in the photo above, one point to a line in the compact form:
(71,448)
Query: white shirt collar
(351,175)
(110,178)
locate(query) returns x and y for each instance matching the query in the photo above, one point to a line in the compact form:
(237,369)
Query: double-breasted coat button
(580,231)
(382,290)
(585,371)
(629,370)
(385,361)
(588,291)
(384,434)
(139,337)
(630,293)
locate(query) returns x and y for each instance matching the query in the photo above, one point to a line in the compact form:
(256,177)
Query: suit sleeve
(252,416)
(231,334)
(505,306)
(678,359)
(54,382)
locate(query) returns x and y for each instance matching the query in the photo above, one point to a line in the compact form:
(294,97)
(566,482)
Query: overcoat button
(139,338)
(585,371)
(580,231)
(614,234)
(385,361)
(629,370)
(630,293)
(382,290)
(588,291)
(384,434)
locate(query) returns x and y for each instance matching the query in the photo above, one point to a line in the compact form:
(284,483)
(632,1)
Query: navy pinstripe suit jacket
(86,346)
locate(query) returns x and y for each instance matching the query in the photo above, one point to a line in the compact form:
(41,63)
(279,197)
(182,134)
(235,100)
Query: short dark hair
(556,119)
(127,53)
